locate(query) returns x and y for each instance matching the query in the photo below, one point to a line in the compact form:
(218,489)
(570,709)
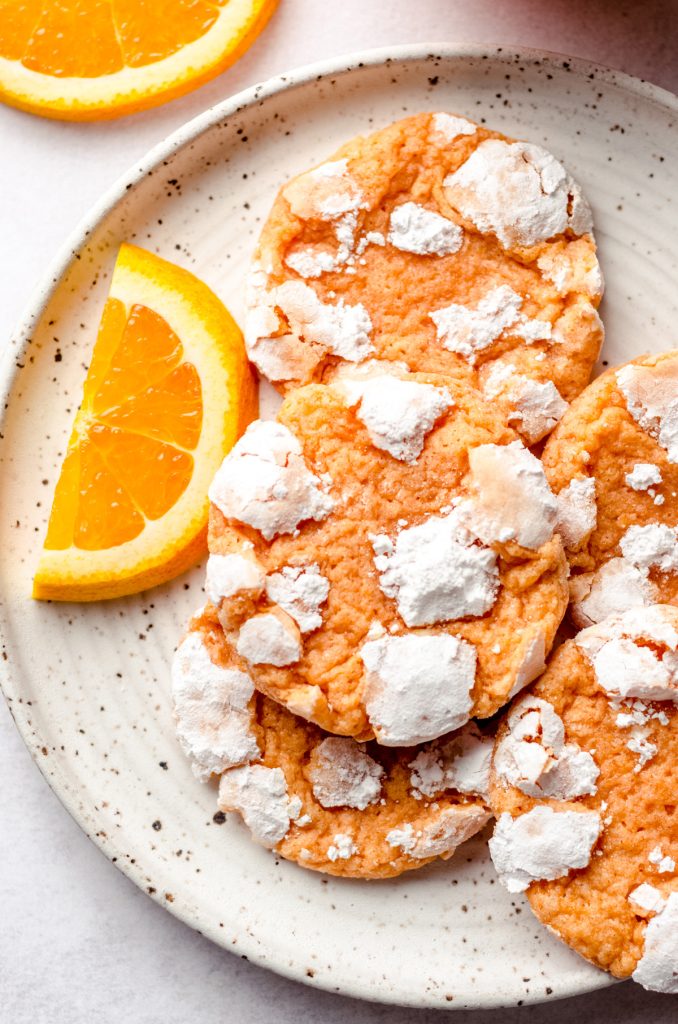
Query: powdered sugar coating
(613,588)
(577,511)
(535,407)
(413,228)
(663,862)
(265,482)
(340,328)
(398,414)
(271,345)
(511,499)
(295,806)
(644,475)
(469,331)
(451,127)
(651,546)
(650,393)
(300,591)
(461,763)
(519,192)
(278,358)
(231,574)
(261,320)
(534,757)
(624,582)
(325,192)
(288,328)
(542,844)
(625,668)
(441,837)
(311,261)
(657,969)
(260,795)
(269,639)
(342,847)
(211,708)
(656,624)
(437,571)
(417,687)
(639,744)
(646,899)
(636,717)
(342,774)
(568,275)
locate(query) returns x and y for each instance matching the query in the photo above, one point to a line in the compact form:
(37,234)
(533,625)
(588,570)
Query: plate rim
(49,282)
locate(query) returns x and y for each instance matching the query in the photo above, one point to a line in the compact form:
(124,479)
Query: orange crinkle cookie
(613,463)
(442,244)
(383,556)
(583,785)
(327,802)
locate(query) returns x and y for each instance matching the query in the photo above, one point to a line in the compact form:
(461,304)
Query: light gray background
(78,942)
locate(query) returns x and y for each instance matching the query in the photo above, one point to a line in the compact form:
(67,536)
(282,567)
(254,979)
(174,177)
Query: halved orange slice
(84,60)
(168,392)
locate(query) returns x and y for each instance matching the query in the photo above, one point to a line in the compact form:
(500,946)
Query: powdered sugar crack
(211,708)
(265,482)
(417,687)
(534,757)
(299,590)
(624,665)
(413,228)
(542,844)
(437,571)
(461,762)
(469,331)
(342,774)
(511,499)
(260,795)
(519,192)
(398,414)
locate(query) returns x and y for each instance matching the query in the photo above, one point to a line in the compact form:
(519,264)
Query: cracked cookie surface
(442,244)
(386,574)
(583,785)
(326,802)
(613,463)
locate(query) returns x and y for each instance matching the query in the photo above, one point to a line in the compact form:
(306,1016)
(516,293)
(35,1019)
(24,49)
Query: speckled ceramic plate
(88,686)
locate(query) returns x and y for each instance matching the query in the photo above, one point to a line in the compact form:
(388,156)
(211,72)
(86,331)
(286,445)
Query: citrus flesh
(92,59)
(168,392)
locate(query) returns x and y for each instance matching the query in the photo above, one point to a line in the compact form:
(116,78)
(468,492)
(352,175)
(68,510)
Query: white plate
(88,686)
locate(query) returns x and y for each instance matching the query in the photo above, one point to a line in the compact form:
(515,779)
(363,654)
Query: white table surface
(78,942)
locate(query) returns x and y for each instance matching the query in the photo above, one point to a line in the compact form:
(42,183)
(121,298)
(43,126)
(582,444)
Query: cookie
(326,802)
(383,556)
(584,782)
(613,463)
(441,244)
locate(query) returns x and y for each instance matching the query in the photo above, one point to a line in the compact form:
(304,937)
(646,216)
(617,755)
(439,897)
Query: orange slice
(85,60)
(168,392)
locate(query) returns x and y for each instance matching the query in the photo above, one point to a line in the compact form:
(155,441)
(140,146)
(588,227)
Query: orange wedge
(168,392)
(83,60)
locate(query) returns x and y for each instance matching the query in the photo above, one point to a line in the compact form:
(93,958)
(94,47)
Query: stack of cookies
(440,494)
